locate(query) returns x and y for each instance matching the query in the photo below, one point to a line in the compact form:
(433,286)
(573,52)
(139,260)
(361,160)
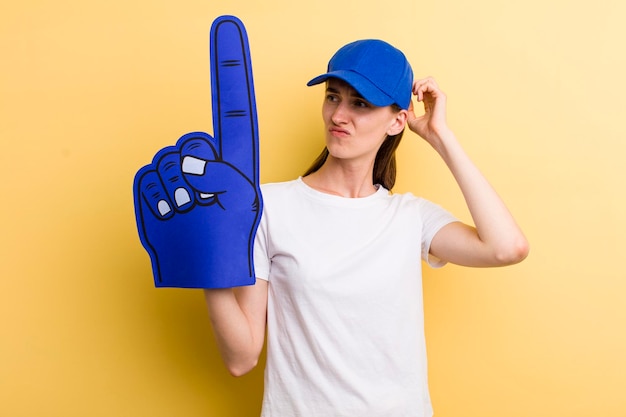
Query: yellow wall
(89,90)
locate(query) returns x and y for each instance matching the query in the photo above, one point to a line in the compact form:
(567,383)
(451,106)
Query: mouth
(338,132)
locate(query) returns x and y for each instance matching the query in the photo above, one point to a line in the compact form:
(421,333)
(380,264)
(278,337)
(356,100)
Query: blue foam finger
(153,196)
(234,104)
(200,144)
(198,204)
(180,193)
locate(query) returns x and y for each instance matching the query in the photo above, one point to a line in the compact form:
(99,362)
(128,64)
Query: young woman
(338,257)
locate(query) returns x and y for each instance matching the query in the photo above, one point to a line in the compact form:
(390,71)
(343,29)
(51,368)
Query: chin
(337,151)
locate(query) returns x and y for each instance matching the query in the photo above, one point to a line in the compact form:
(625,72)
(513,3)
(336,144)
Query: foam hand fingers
(168,167)
(234,105)
(212,179)
(150,194)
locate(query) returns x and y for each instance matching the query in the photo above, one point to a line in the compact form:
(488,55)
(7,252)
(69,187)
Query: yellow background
(90,90)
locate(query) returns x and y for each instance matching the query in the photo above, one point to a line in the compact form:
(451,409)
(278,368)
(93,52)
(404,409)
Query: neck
(351,180)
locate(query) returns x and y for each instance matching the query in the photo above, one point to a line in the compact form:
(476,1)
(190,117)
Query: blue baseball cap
(374,68)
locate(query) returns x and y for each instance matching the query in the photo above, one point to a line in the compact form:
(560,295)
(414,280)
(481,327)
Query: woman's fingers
(433,120)
(423,86)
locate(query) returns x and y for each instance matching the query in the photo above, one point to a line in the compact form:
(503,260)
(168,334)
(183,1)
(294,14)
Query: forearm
(238,320)
(502,240)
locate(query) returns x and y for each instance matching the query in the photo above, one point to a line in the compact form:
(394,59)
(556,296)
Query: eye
(332,98)
(361,104)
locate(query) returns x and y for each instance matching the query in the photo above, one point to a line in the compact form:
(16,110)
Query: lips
(336,131)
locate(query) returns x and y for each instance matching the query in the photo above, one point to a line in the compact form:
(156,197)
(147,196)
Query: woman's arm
(496,239)
(238,316)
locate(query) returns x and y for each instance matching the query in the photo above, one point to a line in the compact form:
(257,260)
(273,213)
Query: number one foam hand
(198,204)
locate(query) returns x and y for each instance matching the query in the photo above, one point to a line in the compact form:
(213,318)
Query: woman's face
(355,129)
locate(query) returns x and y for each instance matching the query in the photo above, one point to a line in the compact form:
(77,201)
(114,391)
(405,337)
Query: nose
(340,114)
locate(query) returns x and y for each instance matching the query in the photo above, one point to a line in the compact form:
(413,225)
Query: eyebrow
(352,92)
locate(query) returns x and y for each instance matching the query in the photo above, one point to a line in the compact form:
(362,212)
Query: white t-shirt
(345,313)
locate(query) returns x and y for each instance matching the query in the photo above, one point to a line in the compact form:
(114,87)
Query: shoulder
(408,200)
(276,195)
(277,189)
(277,186)
(424,208)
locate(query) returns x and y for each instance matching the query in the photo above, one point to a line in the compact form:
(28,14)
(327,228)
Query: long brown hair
(384,164)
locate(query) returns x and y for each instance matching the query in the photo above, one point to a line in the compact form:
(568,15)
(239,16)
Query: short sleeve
(261,256)
(434,217)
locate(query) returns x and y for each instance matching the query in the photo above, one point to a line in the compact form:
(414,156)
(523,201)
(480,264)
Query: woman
(337,255)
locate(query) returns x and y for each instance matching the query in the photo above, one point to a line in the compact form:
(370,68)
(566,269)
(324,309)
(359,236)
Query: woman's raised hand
(432,124)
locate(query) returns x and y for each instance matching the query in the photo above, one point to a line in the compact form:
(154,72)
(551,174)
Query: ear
(398,123)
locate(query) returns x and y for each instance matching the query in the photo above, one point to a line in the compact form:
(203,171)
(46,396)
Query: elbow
(515,252)
(241,368)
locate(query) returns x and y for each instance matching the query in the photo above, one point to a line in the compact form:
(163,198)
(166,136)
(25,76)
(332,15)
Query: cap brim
(362,85)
